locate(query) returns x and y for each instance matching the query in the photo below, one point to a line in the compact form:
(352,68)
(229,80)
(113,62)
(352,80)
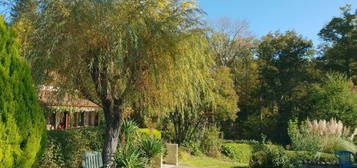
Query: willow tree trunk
(112,133)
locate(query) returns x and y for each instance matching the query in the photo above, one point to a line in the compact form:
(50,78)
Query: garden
(124,78)
(312,144)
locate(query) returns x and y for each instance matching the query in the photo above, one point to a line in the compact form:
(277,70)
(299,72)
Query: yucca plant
(151,146)
(137,150)
(129,156)
(128,131)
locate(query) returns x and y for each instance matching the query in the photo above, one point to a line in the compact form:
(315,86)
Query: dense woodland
(159,64)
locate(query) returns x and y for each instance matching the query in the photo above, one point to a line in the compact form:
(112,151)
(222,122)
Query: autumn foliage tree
(21,118)
(145,54)
(190,123)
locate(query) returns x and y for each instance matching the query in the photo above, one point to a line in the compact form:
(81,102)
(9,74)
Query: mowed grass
(208,162)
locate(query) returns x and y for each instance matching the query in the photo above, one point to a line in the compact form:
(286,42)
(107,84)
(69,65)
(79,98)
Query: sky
(306,17)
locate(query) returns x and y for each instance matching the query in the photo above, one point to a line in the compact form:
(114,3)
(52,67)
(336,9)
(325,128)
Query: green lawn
(208,162)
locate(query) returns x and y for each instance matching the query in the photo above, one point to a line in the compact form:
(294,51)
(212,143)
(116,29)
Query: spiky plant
(151,146)
(128,131)
(129,156)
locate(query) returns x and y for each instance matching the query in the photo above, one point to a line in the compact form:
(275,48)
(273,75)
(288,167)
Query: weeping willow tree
(145,54)
(21,119)
(220,104)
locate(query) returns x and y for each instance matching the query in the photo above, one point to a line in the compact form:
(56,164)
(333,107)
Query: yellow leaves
(23,28)
(20,28)
(66,12)
(161,5)
(186,5)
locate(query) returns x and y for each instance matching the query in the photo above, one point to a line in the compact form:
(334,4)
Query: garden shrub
(211,142)
(129,156)
(280,158)
(193,147)
(320,136)
(65,147)
(128,131)
(243,141)
(259,159)
(332,144)
(150,131)
(22,126)
(270,157)
(301,139)
(250,142)
(139,147)
(311,158)
(151,146)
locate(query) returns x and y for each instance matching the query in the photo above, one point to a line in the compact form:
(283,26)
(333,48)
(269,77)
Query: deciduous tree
(146,54)
(334,98)
(339,51)
(284,61)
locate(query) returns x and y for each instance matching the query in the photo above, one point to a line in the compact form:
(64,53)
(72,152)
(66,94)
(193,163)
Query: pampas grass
(330,128)
(322,136)
(331,144)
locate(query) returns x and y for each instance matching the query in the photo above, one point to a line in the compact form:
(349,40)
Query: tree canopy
(340,35)
(284,60)
(334,98)
(149,55)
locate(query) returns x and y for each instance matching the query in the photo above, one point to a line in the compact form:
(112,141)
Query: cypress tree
(21,119)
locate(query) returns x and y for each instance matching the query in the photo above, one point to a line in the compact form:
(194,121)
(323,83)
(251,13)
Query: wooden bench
(92,160)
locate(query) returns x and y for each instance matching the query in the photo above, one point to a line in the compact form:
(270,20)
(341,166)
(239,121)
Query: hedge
(22,123)
(152,132)
(268,155)
(280,158)
(65,147)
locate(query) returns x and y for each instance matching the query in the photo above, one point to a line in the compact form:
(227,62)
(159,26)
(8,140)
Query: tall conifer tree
(21,119)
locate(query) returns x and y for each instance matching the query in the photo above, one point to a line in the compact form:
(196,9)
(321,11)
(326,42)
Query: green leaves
(340,35)
(100,47)
(335,98)
(21,119)
(283,69)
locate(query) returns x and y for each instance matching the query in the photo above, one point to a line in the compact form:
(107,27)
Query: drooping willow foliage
(21,119)
(149,53)
(146,54)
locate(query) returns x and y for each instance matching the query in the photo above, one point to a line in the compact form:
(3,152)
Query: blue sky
(306,17)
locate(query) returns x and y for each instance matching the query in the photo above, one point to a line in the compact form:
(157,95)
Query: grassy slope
(208,162)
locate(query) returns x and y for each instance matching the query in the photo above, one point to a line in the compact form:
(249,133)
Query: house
(66,112)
